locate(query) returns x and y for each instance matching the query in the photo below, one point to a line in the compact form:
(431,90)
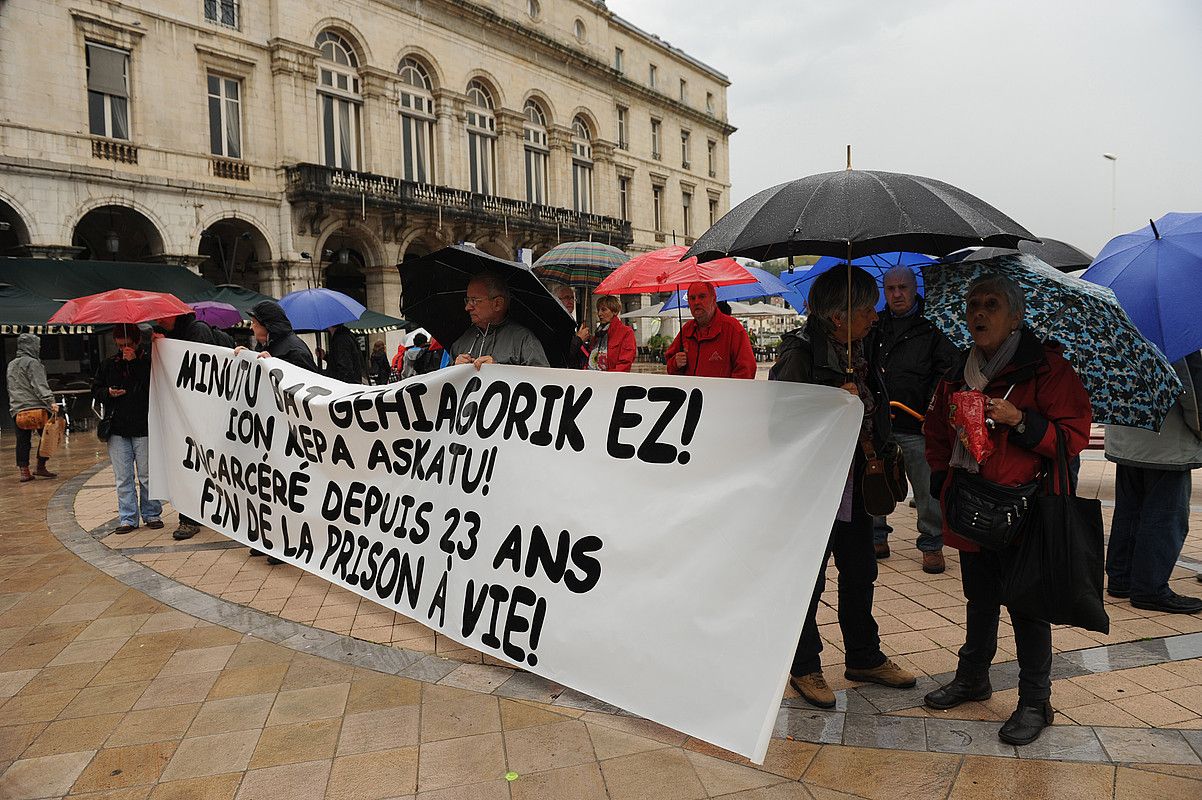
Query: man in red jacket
(712,344)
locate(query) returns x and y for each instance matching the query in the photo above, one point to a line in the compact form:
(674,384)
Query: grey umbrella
(1053,252)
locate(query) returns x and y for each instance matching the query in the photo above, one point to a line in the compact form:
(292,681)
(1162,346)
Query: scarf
(600,349)
(977,374)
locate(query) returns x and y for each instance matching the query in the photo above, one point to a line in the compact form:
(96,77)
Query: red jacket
(620,349)
(1046,388)
(719,350)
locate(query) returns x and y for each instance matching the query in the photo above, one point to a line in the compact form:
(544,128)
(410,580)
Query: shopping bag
(1055,573)
(52,436)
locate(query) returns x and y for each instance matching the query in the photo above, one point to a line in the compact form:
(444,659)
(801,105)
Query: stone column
(511,163)
(381,128)
(448,107)
(384,289)
(605,180)
(559,166)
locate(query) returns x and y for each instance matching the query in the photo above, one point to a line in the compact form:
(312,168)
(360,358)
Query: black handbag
(104,429)
(986,513)
(883,482)
(1056,572)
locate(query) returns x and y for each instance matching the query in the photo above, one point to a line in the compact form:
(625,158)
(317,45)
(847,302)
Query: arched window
(481,138)
(417,122)
(339,102)
(533,8)
(578,30)
(534,133)
(582,165)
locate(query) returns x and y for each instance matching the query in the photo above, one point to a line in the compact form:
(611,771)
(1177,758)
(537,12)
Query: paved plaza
(136,667)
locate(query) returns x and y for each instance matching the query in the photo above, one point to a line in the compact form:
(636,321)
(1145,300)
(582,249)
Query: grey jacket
(27,386)
(507,342)
(1178,446)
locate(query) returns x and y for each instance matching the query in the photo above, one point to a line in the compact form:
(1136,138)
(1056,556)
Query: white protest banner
(651,541)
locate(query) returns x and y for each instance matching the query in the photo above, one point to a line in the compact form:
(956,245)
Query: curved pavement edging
(863,717)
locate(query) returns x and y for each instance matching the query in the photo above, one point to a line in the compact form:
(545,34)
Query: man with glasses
(122,385)
(492,338)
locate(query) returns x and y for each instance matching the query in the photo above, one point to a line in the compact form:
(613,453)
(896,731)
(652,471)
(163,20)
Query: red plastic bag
(968,418)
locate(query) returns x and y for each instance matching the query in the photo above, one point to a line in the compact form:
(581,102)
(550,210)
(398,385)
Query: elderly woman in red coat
(1032,393)
(611,347)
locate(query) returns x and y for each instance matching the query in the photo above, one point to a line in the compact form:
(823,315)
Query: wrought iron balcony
(314,182)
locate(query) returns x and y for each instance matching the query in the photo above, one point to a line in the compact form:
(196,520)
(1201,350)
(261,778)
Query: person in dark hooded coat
(344,361)
(274,336)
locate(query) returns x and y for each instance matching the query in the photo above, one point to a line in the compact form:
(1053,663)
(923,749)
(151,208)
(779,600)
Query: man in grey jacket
(1152,500)
(29,390)
(492,338)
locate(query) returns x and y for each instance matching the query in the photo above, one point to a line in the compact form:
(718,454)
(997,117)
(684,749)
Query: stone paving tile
(212,755)
(41,777)
(666,774)
(1147,746)
(303,741)
(305,781)
(381,729)
(453,762)
(118,767)
(983,778)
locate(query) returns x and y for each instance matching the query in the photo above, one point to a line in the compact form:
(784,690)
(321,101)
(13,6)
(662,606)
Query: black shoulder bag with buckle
(987,513)
(884,481)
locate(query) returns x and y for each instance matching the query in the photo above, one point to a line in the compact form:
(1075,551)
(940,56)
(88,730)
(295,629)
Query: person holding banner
(1032,394)
(492,338)
(611,348)
(274,336)
(817,353)
(711,344)
(29,401)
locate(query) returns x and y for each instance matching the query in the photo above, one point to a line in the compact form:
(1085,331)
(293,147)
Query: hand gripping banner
(652,541)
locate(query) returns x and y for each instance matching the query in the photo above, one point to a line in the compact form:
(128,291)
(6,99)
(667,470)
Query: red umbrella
(663,271)
(119,305)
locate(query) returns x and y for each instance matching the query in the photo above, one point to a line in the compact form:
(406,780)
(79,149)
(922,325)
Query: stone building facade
(295,143)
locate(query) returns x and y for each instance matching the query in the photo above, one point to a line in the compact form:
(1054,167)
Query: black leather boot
(1027,722)
(962,689)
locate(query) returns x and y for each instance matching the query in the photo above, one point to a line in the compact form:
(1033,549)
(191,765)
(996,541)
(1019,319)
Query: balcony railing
(327,183)
(114,150)
(230,170)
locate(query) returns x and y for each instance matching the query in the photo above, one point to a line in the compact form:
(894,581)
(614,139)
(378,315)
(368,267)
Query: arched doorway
(14,234)
(116,233)
(235,249)
(344,270)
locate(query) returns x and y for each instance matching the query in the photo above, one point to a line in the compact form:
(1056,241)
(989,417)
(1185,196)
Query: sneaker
(887,674)
(120,529)
(154,524)
(186,530)
(932,562)
(813,689)
(882,550)
(1173,604)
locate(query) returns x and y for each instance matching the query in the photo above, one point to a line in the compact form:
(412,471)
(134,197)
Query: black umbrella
(1053,252)
(854,213)
(433,288)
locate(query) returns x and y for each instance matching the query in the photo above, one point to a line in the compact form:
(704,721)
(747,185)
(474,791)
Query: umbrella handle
(903,407)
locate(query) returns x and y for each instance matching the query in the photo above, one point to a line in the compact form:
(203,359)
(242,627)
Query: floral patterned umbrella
(1128,379)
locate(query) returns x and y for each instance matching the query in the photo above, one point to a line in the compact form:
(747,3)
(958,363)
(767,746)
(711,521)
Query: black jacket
(131,410)
(281,341)
(344,362)
(807,355)
(381,370)
(189,329)
(913,356)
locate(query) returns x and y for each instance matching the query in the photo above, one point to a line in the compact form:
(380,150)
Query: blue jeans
(930,518)
(1151,519)
(128,453)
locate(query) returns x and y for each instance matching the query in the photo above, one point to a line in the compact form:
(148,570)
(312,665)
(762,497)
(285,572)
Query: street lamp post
(1114,168)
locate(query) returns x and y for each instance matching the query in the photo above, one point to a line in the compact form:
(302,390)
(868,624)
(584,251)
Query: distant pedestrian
(344,360)
(412,354)
(122,385)
(29,401)
(380,368)
(1152,499)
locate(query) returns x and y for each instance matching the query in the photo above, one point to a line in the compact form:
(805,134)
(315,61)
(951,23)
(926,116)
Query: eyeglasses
(475,301)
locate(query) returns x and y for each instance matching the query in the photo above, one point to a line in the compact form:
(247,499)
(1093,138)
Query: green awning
(65,280)
(22,311)
(374,322)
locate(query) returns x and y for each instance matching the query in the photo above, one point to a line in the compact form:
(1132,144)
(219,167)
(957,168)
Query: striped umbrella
(579,263)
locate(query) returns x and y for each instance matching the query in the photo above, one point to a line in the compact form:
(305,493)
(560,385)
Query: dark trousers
(981,575)
(1151,520)
(851,545)
(24,446)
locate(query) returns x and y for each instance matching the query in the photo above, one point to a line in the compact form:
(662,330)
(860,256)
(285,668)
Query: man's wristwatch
(1021,427)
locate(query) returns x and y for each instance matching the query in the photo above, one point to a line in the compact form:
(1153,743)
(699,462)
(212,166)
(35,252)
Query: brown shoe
(881,550)
(932,562)
(154,524)
(887,674)
(813,688)
(26,475)
(122,529)
(41,471)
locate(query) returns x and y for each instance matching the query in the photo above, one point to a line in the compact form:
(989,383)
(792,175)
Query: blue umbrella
(1156,273)
(318,309)
(876,265)
(766,285)
(1128,380)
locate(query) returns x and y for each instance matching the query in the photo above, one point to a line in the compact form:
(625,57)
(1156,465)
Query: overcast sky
(1013,101)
